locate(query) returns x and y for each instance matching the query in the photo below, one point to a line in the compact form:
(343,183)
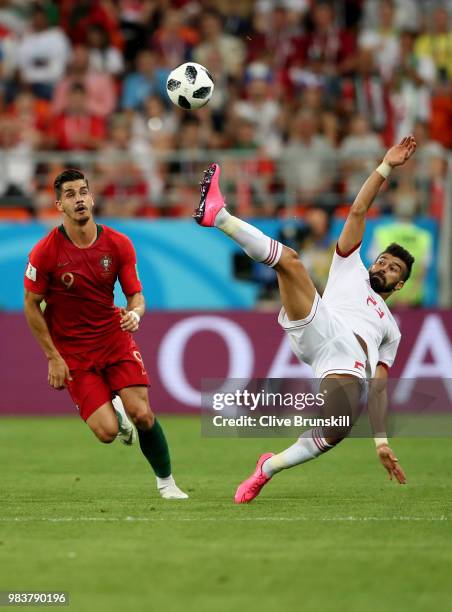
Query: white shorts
(324,343)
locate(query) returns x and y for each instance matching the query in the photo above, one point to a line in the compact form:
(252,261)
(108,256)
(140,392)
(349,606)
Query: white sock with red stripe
(257,245)
(308,446)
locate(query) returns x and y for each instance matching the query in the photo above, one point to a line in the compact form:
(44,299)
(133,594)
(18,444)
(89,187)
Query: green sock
(155,448)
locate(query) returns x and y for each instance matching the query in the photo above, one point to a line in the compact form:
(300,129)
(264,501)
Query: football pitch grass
(334,534)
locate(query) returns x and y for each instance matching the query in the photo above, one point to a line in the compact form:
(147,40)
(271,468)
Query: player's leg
(126,376)
(296,287)
(92,396)
(103,423)
(342,399)
(342,395)
(151,436)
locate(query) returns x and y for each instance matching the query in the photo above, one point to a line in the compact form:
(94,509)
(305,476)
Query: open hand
(391,463)
(400,153)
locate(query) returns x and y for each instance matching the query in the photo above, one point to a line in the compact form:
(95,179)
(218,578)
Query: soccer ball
(190,86)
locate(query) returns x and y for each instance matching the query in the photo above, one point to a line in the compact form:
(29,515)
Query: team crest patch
(106,261)
(30,272)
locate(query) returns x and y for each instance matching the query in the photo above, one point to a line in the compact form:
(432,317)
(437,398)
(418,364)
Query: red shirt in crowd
(78,132)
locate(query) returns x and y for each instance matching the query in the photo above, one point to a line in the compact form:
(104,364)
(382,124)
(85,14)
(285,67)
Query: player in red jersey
(88,340)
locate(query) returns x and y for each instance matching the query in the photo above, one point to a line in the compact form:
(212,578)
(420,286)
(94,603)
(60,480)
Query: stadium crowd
(307,95)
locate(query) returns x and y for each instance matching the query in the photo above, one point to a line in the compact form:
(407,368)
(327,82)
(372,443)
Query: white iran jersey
(350,299)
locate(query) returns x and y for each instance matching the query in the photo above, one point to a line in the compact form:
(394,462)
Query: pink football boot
(211,201)
(251,487)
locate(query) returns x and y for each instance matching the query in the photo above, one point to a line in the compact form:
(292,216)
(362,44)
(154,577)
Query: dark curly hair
(398,251)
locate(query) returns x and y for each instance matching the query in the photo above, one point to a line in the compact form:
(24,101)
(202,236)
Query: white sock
(164,482)
(256,244)
(308,446)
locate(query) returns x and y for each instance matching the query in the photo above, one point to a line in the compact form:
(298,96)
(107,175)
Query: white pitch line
(188,519)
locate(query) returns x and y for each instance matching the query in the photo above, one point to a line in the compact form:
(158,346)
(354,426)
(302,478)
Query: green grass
(333,534)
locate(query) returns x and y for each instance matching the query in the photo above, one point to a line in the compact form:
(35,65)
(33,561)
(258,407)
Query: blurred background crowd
(308,93)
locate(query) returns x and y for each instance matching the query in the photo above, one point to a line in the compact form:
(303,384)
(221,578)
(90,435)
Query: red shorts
(98,374)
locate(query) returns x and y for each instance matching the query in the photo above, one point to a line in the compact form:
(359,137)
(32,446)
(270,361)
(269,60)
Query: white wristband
(136,315)
(384,169)
(380,441)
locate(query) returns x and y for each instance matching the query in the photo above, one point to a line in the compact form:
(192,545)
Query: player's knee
(106,434)
(289,255)
(143,418)
(289,258)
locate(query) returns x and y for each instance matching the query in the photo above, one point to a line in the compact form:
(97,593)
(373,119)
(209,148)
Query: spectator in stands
(32,115)
(12,20)
(218,51)
(99,86)
(122,180)
(308,163)
(407,14)
(441,115)
(18,166)
(12,26)
(427,149)
(237,17)
(383,40)
(366,94)
(148,79)
(261,108)
(77,129)
(359,154)
(313,99)
(42,55)
(174,40)
(410,87)
(417,239)
(254,171)
(430,171)
(137,19)
(243,136)
(277,65)
(316,246)
(330,127)
(329,49)
(78,15)
(275,37)
(103,56)
(154,121)
(437,44)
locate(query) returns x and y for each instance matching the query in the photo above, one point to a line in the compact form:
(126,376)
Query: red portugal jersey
(77,284)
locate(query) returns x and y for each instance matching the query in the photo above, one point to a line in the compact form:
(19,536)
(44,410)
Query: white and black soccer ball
(190,86)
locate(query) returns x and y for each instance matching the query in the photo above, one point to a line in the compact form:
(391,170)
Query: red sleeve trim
(35,290)
(347,253)
(385,365)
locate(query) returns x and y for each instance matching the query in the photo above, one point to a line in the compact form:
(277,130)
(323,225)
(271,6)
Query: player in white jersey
(349,309)
(348,334)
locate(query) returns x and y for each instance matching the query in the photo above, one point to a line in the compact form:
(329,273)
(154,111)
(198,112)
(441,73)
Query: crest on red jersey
(106,261)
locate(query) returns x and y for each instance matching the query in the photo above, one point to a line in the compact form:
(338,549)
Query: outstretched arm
(353,230)
(377,409)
